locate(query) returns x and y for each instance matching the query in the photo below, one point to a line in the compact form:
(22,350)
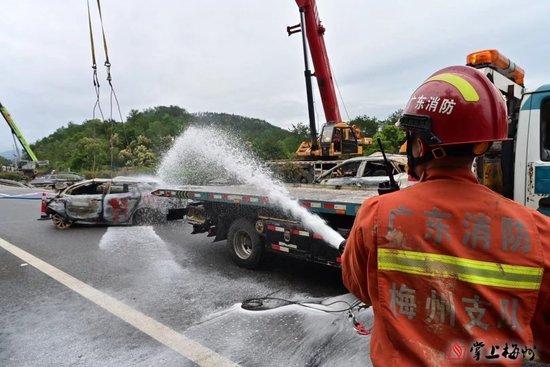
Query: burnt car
(367,172)
(115,201)
(57,180)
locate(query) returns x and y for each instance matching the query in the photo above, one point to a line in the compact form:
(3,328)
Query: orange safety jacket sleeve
(541,320)
(360,244)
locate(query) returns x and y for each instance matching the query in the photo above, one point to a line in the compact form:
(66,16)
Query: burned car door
(120,202)
(85,202)
(344,174)
(374,172)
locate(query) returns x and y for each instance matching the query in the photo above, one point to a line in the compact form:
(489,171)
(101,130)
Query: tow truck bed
(318,200)
(253,225)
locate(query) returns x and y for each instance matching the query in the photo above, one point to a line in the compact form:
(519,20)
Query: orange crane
(337,138)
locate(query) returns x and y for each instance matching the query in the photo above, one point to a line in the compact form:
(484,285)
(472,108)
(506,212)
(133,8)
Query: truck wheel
(245,244)
(61,223)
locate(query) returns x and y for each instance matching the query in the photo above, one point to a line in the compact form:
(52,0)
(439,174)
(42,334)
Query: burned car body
(366,172)
(112,201)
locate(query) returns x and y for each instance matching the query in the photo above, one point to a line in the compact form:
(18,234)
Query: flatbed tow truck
(253,226)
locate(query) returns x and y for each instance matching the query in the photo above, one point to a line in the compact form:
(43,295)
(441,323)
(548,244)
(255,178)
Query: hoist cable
(340,94)
(97,105)
(16,148)
(113,94)
(107,64)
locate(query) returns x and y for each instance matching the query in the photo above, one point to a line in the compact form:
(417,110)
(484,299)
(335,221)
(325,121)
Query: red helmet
(456,105)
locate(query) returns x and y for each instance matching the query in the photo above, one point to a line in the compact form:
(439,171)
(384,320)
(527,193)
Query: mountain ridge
(147,134)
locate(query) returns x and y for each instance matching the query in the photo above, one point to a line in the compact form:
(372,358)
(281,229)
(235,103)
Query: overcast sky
(234,56)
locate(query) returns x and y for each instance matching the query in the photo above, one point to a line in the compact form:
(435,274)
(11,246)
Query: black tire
(244,244)
(60,222)
(143,217)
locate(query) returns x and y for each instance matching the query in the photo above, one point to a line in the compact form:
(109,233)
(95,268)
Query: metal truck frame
(254,226)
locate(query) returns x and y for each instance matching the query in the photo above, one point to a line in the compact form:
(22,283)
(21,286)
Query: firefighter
(456,273)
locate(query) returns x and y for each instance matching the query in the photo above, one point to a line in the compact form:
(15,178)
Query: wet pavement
(182,281)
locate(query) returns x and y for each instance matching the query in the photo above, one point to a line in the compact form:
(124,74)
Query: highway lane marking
(27,196)
(188,348)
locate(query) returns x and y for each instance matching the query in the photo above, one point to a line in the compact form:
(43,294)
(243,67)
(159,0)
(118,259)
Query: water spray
(207,152)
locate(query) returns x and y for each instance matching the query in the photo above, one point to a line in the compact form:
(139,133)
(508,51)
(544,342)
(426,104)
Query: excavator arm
(15,131)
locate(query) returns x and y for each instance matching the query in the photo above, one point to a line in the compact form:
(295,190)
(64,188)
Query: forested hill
(142,139)
(139,143)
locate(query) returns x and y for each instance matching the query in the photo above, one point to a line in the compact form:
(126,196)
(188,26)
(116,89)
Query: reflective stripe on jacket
(457,274)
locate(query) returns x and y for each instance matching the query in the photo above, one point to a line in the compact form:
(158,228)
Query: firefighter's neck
(444,163)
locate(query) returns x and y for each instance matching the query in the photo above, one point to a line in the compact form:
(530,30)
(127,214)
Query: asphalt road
(185,288)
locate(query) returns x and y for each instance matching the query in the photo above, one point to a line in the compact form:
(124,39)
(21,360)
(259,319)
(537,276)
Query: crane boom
(337,138)
(15,131)
(315,36)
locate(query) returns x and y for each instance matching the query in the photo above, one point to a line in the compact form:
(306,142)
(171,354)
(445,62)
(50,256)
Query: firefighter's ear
(481,148)
(418,148)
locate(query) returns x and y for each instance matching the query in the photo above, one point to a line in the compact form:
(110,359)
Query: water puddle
(289,335)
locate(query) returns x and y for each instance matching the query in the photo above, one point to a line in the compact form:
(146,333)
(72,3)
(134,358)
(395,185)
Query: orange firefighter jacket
(456,274)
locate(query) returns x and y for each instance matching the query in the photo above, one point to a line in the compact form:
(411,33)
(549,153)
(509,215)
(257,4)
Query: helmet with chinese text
(456,105)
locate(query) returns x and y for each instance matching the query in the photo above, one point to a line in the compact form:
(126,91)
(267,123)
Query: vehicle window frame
(115,184)
(324,132)
(70,190)
(378,162)
(341,165)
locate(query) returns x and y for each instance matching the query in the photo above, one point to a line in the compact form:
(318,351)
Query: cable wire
(16,148)
(340,94)
(95,80)
(108,65)
(256,303)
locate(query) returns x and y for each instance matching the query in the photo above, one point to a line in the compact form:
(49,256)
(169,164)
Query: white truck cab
(519,168)
(532,180)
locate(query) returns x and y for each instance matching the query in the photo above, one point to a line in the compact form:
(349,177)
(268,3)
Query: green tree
(92,153)
(368,125)
(301,130)
(4,161)
(392,138)
(138,153)
(393,117)
(268,149)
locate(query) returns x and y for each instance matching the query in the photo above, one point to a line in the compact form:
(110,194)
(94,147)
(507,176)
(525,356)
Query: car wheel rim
(59,222)
(242,244)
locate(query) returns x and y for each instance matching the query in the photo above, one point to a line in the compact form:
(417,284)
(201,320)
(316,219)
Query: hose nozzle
(342,247)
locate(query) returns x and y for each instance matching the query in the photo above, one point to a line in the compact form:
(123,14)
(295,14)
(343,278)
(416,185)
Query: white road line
(188,348)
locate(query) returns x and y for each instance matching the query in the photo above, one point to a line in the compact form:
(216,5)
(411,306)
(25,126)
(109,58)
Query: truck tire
(245,244)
